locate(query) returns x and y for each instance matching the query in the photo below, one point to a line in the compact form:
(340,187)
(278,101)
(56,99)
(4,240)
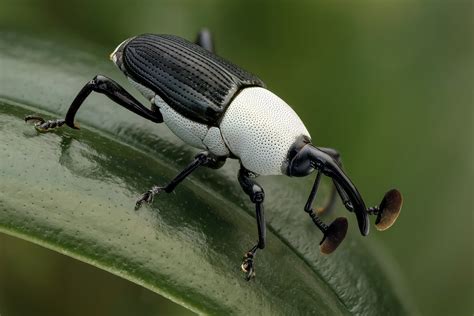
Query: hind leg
(100,84)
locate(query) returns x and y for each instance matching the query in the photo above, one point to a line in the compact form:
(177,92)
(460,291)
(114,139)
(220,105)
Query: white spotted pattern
(215,143)
(193,133)
(259,128)
(189,131)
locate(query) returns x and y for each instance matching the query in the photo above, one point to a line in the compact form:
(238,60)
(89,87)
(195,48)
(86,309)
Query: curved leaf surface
(74,192)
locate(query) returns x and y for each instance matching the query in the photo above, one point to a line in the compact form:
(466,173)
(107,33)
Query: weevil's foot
(247,266)
(35,119)
(389,209)
(148,196)
(334,235)
(44,126)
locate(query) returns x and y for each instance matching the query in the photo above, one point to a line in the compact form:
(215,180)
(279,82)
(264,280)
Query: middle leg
(256,194)
(201,159)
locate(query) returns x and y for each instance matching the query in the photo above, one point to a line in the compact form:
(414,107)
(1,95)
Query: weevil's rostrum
(227,112)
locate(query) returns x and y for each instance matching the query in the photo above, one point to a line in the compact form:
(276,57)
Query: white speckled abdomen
(259,128)
(195,134)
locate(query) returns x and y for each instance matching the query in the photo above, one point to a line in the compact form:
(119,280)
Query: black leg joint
(250,187)
(348,206)
(212,161)
(375,210)
(202,158)
(258,195)
(199,160)
(318,222)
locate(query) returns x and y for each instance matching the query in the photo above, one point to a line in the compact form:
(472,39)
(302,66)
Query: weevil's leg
(335,188)
(201,159)
(204,39)
(335,233)
(105,86)
(386,212)
(41,125)
(256,194)
(311,157)
(333,153)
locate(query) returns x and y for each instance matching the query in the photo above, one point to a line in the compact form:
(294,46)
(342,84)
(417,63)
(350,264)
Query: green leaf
(74,192)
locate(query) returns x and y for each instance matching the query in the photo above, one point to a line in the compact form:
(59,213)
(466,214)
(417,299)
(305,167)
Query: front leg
(256,194)
(333,234)
(387,211)
(201,159)
(335,188)
(104,85)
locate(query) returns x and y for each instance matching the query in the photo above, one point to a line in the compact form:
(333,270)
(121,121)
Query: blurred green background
(388,83)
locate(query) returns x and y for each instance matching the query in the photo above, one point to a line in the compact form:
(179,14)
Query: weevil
(216,106)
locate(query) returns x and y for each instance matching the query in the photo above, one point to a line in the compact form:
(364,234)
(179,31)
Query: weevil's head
(304,158)
(117,55)
(300,163)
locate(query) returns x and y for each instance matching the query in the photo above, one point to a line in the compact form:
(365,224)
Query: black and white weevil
(217,106)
